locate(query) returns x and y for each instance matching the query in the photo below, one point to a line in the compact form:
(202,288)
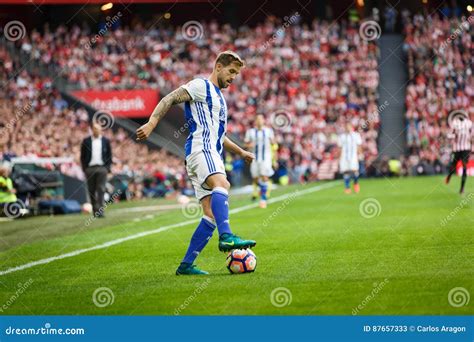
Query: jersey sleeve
(196,89)
(271,135)
(248,136)
(358,139)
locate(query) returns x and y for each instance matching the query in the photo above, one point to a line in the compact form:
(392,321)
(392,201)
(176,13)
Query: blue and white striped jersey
(349,143)
(262,143)
(206,117)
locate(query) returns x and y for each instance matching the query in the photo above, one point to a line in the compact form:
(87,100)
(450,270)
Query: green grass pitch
(399,247)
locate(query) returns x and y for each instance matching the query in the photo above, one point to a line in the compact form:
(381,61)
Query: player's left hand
(247,156)
(144,131)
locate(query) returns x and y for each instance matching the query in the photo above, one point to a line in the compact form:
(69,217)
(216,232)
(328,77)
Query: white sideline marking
(153,208)
(159,230)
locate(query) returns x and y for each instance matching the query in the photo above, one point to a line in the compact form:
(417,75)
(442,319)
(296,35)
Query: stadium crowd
(440,66)
(307,79)
(35,121)
(319,76)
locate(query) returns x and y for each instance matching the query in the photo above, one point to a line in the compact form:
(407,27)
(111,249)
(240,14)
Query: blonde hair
(227,57)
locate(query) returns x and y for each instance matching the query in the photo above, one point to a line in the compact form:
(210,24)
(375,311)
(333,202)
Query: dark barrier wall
(75,189)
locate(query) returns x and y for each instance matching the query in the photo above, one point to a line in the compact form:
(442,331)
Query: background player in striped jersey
(461,135)
(260,139)
(350,144)
(206,114)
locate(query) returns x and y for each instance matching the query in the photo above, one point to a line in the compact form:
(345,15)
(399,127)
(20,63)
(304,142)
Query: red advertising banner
(470,168)
(125,103)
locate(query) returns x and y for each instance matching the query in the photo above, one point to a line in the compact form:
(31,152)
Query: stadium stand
(319,75)
(440,60)
(38,122)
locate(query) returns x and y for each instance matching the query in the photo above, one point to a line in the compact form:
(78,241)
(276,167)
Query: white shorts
(261,168)
(348,165)
(199,166)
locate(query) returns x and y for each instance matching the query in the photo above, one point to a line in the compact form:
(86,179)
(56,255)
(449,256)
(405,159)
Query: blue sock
(220,209)
(199,240)
(263,190)
(356,177)
(347,181)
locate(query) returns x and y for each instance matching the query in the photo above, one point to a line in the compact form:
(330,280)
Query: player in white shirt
(206,116)
(350,145)
(461,136)
(260,140)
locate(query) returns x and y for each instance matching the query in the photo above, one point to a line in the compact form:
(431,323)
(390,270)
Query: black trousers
(462,156)
(96,180)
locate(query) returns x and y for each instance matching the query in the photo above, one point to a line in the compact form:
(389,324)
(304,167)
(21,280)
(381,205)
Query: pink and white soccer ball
(241,261)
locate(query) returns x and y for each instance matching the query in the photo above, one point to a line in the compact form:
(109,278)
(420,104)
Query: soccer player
(350,144)
(461,135)
(206,115)
(261,139)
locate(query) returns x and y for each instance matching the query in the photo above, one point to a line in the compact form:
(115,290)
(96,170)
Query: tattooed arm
(179,95)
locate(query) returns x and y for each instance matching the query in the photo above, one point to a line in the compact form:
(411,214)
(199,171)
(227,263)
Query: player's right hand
(247,156)
(144,131)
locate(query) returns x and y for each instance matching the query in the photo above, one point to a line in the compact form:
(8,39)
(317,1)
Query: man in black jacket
(96,160)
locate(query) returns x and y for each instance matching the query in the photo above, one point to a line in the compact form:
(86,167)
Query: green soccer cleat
(189,269)
(228,242)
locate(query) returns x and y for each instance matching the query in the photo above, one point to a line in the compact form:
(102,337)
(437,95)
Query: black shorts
(460,156)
